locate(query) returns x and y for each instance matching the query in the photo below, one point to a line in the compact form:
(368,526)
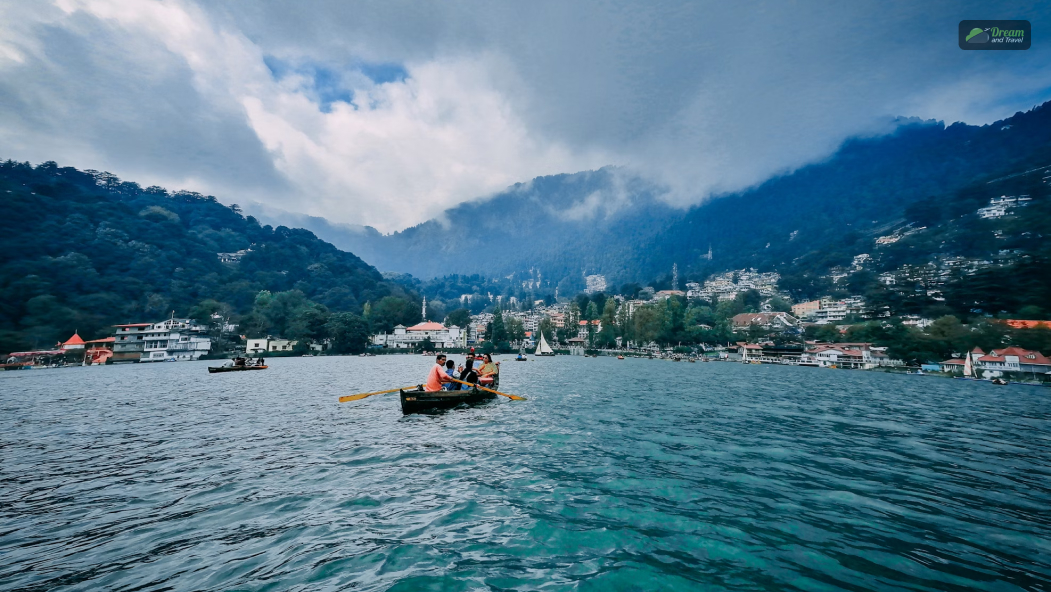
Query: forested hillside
(83,250)
(831,209)
(608,222)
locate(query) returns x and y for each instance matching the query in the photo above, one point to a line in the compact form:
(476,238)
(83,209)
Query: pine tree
(497,331)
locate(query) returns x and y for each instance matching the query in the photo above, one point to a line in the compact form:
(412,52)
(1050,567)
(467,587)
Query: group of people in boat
(243,361)
(481,370)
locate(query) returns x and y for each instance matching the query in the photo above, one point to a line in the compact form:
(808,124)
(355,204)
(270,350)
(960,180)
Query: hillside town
(773,331)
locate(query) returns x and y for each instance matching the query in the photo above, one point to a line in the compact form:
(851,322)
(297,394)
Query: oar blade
(348,398)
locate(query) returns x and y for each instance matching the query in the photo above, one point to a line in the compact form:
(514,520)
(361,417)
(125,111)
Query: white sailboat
(968,368)
(543,349)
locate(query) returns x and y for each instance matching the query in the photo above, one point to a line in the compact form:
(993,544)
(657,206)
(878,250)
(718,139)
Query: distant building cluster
(993,364)
(727,285)
(594,284)
(861,356)
(1001,206)
(234,257)
(897,235)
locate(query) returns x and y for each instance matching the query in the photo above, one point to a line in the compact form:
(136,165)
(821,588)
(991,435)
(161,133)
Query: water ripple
(633,474)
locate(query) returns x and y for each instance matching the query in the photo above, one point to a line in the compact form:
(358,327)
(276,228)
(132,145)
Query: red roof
(427,326)
(999,355)
(103,340)
(1019,324)
(854,353)
(977,350)
(50,352)
(956,362)
(75,340)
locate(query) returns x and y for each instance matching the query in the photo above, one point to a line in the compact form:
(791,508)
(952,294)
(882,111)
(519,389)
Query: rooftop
(427,326)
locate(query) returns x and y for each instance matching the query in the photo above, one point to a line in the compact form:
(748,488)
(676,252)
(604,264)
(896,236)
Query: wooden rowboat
(421,401)
(217,369)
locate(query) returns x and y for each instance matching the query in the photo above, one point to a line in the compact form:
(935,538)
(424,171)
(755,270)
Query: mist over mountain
(866,186)
(610,222)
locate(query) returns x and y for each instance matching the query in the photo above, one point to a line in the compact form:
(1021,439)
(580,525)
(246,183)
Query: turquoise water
(614,475)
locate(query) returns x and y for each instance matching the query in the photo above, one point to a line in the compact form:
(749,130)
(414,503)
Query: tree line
(84,250)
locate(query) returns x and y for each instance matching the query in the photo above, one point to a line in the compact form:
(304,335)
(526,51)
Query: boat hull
(419,401)
(219,369)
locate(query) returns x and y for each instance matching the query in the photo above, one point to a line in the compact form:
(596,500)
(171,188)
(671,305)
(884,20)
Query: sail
(967,368)
(543,349)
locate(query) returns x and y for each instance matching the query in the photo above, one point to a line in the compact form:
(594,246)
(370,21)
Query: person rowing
(437,375)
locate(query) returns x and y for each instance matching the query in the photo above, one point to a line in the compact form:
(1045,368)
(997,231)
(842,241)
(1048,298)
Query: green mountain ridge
(84,250)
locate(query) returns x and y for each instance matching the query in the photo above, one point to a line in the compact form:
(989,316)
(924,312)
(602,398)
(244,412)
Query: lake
(615,475)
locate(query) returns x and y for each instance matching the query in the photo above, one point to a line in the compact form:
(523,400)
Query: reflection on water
(614,475)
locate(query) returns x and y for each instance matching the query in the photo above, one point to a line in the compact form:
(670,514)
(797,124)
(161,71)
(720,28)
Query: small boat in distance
(239,364)
(520,358)
(543,349)
(218,369)
(620,357)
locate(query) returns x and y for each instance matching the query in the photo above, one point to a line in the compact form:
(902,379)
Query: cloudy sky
(386,113)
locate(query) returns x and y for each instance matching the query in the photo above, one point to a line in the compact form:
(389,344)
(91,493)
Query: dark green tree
(460,317)
(497,331)
(349,333)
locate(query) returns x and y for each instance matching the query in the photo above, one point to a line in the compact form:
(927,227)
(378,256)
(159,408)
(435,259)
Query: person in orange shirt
(437,375)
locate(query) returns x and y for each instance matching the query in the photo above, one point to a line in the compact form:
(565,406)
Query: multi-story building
(129,342)
(409,337)
(805,309)
(835,311)
(174,339)
(595,327)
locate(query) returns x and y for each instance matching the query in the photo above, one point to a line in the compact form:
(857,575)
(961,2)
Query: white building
(259,346)
(175,339)
(409,337)
(595,284)
(836,311)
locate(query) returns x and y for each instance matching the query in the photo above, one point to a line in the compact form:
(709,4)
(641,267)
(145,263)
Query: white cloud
(399,153)
(700,98)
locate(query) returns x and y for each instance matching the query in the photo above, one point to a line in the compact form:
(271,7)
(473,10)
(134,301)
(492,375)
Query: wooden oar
(482,388)
(347,398)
